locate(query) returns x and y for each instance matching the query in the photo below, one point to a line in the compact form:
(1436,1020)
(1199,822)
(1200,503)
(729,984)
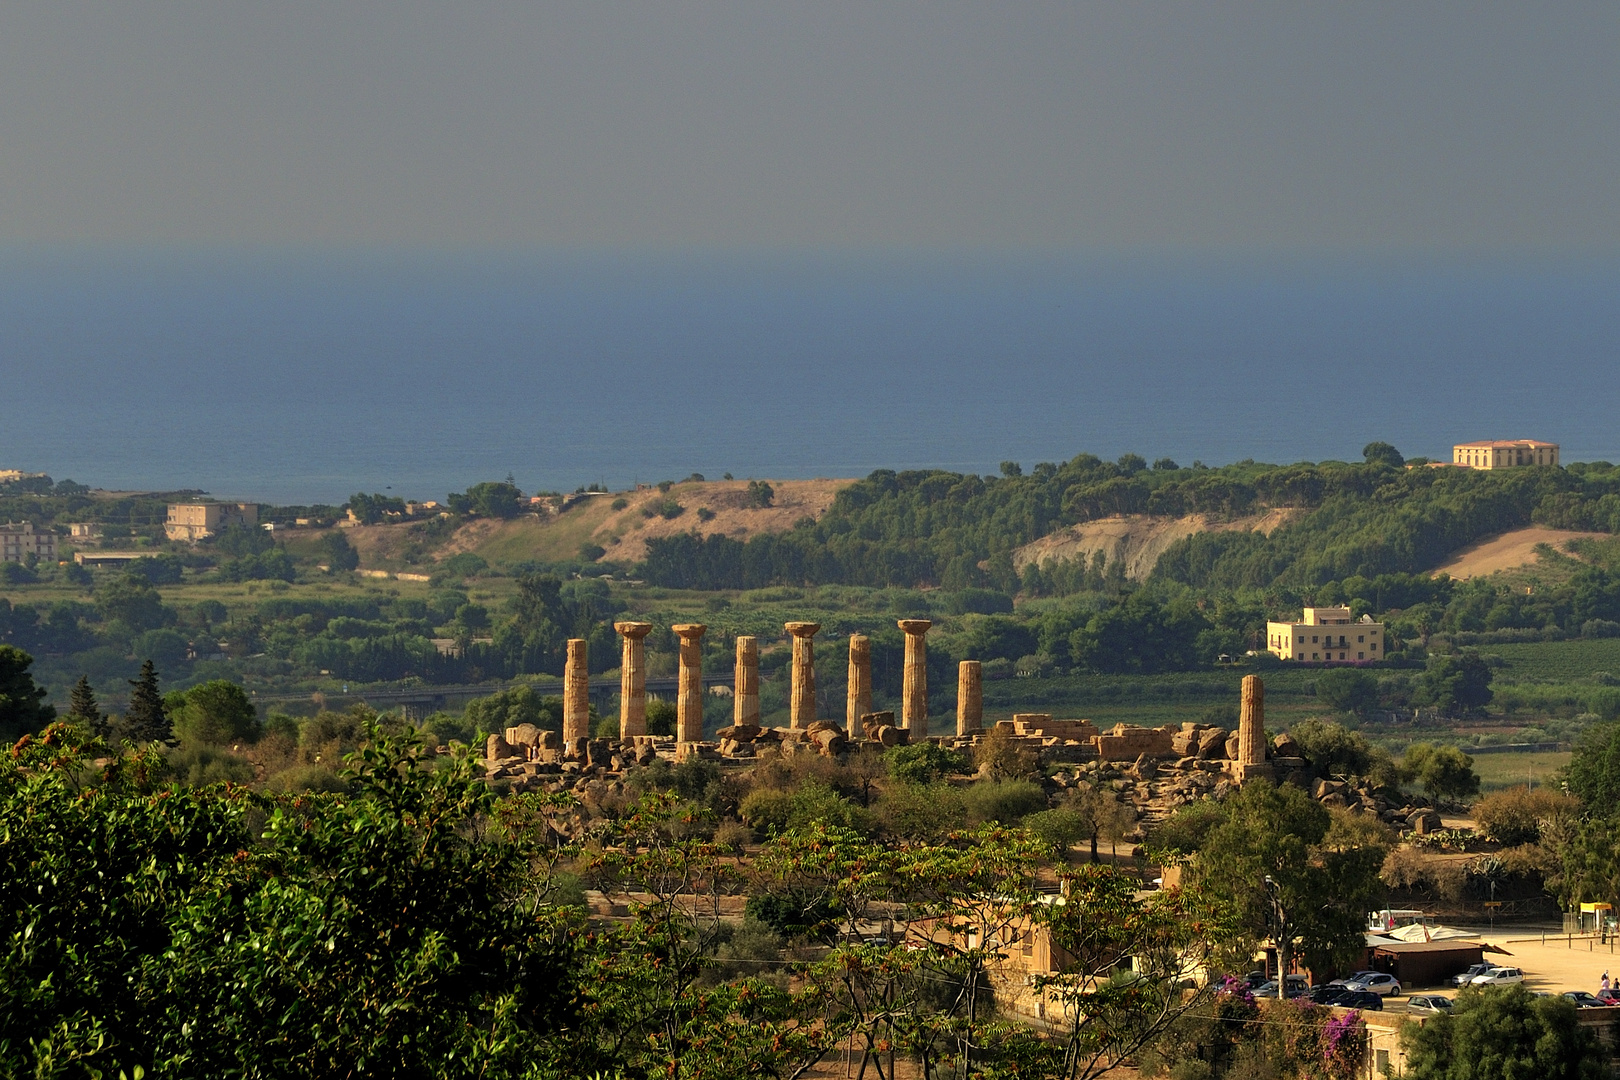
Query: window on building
(1360,638)
(1361,656)
(1314,637)
(1372,645)
(1314,656)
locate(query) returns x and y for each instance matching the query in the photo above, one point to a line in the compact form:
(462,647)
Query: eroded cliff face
(1138,539)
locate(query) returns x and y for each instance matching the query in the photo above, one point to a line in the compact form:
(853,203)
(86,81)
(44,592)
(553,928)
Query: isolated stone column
(969,698)
(860,682)
(745,692)
(803,702)
(633,679)
(1252,723)
(689,696)
(914,690)
(577,692)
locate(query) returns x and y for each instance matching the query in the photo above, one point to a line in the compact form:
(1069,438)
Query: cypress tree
(84,710)
(147,720)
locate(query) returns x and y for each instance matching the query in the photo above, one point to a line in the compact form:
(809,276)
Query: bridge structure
(419,701)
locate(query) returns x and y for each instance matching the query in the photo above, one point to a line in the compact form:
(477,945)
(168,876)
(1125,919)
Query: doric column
(914,692)
(860,682)
(577,692)
(633,679)
(969,698)
(802,712)
(1252,723)
(689,700)
(745,691)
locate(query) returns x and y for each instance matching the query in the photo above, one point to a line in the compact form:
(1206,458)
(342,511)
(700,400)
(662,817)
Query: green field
(1556,661)
(1497,771)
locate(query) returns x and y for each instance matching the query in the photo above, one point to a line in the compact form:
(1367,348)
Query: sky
(1296,126)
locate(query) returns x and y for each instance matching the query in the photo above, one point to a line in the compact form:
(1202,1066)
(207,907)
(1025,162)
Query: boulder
(496,747)
(831,740)
(889,735)
(817,726)
(1211,744)
(873,720)
(550,740)
(523,735)
(1285,746)
(741,733)
(1184,743)
(1424,822)
(1232,747)
(574,749)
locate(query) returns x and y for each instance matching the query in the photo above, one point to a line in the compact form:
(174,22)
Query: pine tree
(84,710)
(146,719)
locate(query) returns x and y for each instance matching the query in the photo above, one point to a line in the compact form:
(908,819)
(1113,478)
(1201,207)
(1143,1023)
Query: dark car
(1325,995)
(1583,1000)
(1365,1000)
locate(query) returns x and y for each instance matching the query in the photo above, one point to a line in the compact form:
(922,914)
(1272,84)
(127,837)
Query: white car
(1378,982)
(1499,976)
(1468,976)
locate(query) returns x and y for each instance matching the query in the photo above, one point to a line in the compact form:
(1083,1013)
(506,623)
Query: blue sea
(297,377)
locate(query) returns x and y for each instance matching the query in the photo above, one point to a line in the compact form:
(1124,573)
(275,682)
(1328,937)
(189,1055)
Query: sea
(304,376)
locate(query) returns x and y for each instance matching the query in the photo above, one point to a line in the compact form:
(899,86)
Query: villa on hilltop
(1504,453)
(199,521)
(1327,634)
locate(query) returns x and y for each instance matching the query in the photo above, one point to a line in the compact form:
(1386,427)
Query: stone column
(914,692)
(860,682)
(689,697)
(633,679)
(745,700)
(969,698)
(577,692)
(802,704)
(1252,727)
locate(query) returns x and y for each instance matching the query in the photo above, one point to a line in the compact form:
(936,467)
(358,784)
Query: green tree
(1503,1033)
(1459,683)
(22,701)
(1272,857)
(492,498)
(132,601)
(1444,771)
(1593,773)
(1382,453)
(760,494)
(216,712)
(371,509)
(1335,750)
(84,710)
(1348,690)
(147,720)
(339,553)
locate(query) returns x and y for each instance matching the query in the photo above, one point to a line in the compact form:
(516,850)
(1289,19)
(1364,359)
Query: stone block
(1285,746)
(1211,744)
(523,735)
(496,747)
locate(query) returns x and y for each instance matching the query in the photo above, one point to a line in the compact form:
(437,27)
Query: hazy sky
(1390,127)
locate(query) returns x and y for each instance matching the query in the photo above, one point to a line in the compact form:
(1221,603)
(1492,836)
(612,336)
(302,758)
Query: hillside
(1509,551)
(1137,539)
(622,533)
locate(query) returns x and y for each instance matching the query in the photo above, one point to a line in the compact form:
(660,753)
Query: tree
(340,554)
(1382,453)
(131,600)
(1444,771)
(371,509)
(213,712)
(1520,815)
(147,720)
(1502,1033)
(492,498)
(1348,690)
(1459,683)
(1270,856)
(760,494)
(1335,750)
(84,710)
(1593,773)
(22,702)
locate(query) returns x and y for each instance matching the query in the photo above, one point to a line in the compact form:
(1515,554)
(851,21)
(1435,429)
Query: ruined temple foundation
(860,681)
(745,690)
(802,712)
(577,692)
(633,679)
(1251,740)
(914,689)
(969,698)
(689,694)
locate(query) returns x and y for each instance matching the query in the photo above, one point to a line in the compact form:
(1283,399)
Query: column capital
(633,629)
(802,629)
(690,631)
(915,626)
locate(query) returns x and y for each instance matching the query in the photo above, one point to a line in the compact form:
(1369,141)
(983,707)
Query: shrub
(1005,801)
(619,504)
(923,763)
(1520,814)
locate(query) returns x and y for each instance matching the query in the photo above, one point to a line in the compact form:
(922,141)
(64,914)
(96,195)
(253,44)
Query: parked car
(1583,1000)
(1378,982)
(1352,977)
(1365,1000)
(1255,979)
(1324,995)
(1430,1004)
(1499,976)
(1298,986)
(1468,976)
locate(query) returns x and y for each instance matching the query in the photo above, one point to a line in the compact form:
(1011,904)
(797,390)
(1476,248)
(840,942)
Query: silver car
(1429,1004)
(1378,982)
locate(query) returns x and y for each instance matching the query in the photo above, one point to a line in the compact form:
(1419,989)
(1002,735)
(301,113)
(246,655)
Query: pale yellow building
(1504,453)
(199,521)
(17,542)
(1327,634)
